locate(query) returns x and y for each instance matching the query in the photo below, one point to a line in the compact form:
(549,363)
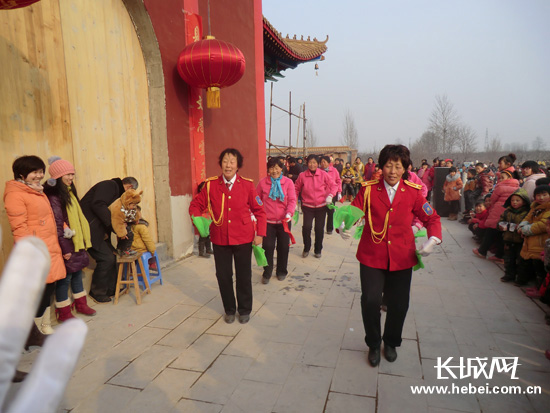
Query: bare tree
(466,141)
(494,148)
(538,146)
(350,136)
(311,137)
(425,147)
(443,123)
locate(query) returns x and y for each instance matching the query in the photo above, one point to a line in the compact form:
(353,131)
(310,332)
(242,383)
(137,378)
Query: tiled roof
(293,49)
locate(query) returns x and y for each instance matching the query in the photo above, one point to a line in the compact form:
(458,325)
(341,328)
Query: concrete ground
(303,349)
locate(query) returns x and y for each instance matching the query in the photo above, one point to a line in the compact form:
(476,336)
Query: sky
(387,61)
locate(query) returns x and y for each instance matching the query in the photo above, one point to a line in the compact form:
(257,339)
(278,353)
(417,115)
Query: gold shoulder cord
(377,237)
(219,221)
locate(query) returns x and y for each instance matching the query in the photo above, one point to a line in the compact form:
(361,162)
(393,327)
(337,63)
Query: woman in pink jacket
(505,187)
(279,198)
(30,214)
(317,190)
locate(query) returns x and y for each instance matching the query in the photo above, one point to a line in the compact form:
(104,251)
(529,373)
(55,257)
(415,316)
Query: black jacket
(95,206)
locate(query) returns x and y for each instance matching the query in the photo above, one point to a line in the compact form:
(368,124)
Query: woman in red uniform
(230,200)
(386,251)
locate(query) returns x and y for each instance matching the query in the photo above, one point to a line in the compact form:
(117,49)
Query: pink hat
(60,167)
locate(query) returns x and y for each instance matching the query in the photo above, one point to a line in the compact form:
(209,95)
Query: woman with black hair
(230,199)
(73,234)
(530,171)
(316,189)
(30,214)
(279,198)
(386,251)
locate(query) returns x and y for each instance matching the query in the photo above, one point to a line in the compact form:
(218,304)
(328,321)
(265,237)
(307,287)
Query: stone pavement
(303,349)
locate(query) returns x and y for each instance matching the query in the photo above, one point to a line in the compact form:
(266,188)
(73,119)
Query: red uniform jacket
(397,250)
(235,224)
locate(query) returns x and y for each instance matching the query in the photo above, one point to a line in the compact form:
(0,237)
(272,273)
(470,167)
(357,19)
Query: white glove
(341,230)
(415,229)
(287,218)
(428,247)
(68,233)
(329,199)
(21,287)
(338,196)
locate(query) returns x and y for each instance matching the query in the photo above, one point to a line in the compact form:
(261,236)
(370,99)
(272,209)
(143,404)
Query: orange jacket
(452,188)
(30,214)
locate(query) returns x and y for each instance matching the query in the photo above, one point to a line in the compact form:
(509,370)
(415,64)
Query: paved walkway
(303,349)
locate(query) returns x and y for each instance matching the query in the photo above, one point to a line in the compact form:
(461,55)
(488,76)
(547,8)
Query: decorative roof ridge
(298,48)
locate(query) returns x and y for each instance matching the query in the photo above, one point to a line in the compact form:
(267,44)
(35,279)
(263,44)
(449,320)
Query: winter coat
(501,193)
(452,187)
(470,185)
(348,176)
(30,214)
(315,188)
(369,170)
(485,181)
(79,259)
(277,210)
(529,184)
(533,244)
(480,219)
(414,178)
(95,206)
(514,216)
(122,214)
(428,178)
(142,238)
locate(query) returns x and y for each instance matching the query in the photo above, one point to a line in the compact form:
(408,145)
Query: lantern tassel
(213,97)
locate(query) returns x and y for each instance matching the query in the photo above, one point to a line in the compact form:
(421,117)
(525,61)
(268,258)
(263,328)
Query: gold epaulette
(371,182)
(247,179)
(412,184)
(212,178)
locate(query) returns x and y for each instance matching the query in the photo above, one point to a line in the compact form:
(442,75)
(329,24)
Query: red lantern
(15,4)
(211,64)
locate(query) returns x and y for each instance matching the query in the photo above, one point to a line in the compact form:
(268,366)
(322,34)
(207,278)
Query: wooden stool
(131,277)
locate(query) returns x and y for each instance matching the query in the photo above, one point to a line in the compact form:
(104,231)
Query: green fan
(347,214)
(259,254)
(203,225)
(296,216)
(421,233)
(359,232)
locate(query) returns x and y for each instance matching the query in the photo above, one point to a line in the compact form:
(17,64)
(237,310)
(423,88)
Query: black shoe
(317,254)
(281,277)
(389,353)
(507,279)
(229,318)
(305,254)
(243,319)
(329,232)
(100,298)
(265,280)
(374,356)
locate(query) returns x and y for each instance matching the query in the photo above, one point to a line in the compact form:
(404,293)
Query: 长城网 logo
(475,367)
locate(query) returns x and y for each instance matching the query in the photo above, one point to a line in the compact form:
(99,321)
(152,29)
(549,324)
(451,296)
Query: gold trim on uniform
(412,184)
(371,182)
(247,179)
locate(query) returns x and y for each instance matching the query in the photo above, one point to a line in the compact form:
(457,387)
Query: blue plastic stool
(152,276)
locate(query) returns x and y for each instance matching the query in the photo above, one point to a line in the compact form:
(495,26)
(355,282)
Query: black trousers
(530,269)
(224,255)
(45,300)
(319,214)
(126,244)
(511,256)
(453,206)
(396,286)
(490,237)
(105,273)
(276,235)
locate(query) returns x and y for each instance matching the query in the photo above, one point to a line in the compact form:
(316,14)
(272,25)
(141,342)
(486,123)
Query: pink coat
(277,210)
(502,191)
(315,188)
(334,174)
